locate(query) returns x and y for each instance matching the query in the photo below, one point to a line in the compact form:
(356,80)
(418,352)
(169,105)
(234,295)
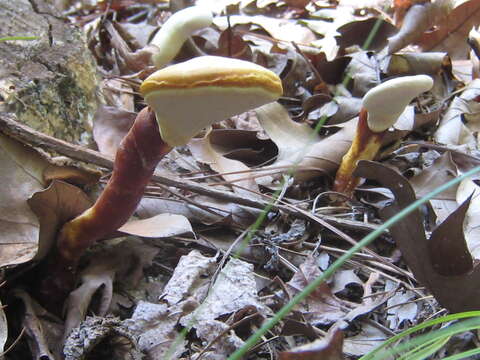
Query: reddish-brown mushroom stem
(137,156)
(365,146)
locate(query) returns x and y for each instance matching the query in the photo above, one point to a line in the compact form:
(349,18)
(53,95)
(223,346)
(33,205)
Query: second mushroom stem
(365,146)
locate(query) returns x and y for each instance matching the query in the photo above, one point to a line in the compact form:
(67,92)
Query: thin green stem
(440,320)
(13,38)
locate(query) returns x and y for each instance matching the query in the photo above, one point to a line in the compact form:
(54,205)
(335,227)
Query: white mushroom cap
(176,30)
(192,95)
(387,101)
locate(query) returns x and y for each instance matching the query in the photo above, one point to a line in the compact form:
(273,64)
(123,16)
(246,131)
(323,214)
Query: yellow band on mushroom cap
(212,71)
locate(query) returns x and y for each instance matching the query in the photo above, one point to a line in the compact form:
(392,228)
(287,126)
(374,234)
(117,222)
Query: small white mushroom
(176,30)
(387,101)
(381,108)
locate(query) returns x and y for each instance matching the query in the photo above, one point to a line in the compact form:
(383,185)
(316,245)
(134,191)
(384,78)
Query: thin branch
(31,137)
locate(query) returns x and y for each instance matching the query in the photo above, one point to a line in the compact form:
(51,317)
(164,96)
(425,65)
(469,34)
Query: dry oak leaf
(328,348)
(452,31)
(21,176)
(442,263)
(419,18)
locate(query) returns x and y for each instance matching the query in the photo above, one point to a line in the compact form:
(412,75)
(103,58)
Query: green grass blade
(463,326)
(440,320)
(13,38)
(425,350)
(463,355)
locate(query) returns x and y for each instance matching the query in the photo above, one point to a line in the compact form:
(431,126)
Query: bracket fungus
(186,98)
(381,108)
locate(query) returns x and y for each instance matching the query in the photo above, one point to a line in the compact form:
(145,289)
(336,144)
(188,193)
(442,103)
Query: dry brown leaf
(243,145)
(209,210)
(233,171)
(325,23)
(452,32)
(234,289)
(452,129)
(158,226)
(321,306)
(416,63)
(342,278)
(280,29)
(419,18)
(329,348)
(70,174)
(447,246)
(54,206)
(471,225)
(442,170)
(109,128)
(400,308)
(118,95)
(298,144)
(368,339)
(21,177)
(355,33)
(155,326)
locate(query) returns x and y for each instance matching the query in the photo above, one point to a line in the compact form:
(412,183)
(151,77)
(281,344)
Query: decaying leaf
(419,18)
(367,340)
(321,306)
(54,206)
(471,225)
(40,334)
(21,177)
(154,325)
(233,290)
(452,31)
(233,171)
(110,126)
(329,348)
(400,306)
(122,263)
(220,347)
(158,226)
(452,130)
(186,280)
(98,335)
